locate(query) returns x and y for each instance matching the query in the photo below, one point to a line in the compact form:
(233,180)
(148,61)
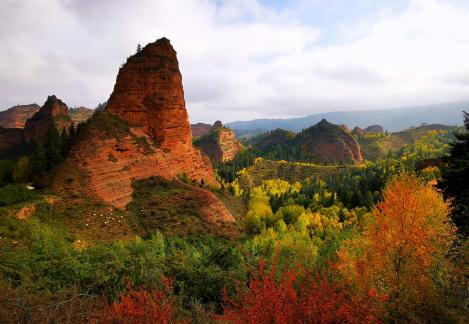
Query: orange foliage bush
(294,299)
(403,252)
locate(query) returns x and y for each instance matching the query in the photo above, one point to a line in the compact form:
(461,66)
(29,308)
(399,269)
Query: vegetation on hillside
(312,243)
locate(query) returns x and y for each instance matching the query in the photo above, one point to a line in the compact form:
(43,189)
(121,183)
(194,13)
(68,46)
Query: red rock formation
(148,94)
(220,144)
(200,129)
(53,112)
(357,131)
(150,136)
(112,162)
(16,117)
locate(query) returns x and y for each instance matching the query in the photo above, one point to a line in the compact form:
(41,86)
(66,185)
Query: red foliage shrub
(156,306)
(295,299)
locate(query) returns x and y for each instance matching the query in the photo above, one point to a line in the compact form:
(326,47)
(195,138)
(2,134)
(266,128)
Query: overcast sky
(242,59)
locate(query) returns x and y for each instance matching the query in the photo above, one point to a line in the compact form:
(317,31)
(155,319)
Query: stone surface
(53,112)
(143,132)
(16,116)
(357,131)
(220,144)
(148,94)
(200,129)
(113,162)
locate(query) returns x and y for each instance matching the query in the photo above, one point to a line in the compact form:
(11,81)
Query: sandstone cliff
(16,116)
(148,94)
(54,112)
(220,144)
(143,132)
(200,129)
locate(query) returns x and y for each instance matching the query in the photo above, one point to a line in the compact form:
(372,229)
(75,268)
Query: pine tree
(65,142)
(53,147)
(39,163)
(455,179)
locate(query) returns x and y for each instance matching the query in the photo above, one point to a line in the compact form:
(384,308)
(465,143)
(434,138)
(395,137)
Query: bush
(15,193)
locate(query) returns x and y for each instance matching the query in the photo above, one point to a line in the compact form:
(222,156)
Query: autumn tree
(401,255)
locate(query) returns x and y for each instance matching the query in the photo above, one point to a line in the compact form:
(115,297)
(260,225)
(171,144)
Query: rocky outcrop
(200,129)
(329,143)
(54,112)
(357,131)
(374,129)
(143,132)
(80,114)
(16,116)
(345,128)
(220,144)
(148,94)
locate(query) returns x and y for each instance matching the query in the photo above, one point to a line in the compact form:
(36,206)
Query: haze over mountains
(393,120)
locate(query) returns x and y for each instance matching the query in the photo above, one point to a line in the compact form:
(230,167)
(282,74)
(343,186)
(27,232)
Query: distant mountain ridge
(393,120)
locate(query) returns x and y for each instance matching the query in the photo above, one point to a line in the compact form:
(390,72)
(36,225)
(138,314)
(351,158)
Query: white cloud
(240,60)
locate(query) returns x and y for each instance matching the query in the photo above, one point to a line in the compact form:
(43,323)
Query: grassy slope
(265,170)
(173,208)
(376,148)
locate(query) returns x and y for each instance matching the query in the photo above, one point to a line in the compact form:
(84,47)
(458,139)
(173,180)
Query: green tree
(455,179)
(21,170)
(6,169)
(53,147)
(39,163)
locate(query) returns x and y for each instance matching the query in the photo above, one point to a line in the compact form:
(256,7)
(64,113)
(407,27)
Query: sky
(242,59)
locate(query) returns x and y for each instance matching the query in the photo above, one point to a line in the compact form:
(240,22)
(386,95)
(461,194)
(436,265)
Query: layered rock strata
(54,112)
(220,144)
(16,117)
(143,132)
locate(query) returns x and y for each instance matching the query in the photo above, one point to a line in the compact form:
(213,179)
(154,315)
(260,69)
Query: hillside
(323,143)
(374,147)
(16,116)
(134,155)
(80,114)
(393,120)
(263,170)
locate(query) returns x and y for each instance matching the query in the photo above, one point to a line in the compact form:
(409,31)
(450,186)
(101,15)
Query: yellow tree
(401,254)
